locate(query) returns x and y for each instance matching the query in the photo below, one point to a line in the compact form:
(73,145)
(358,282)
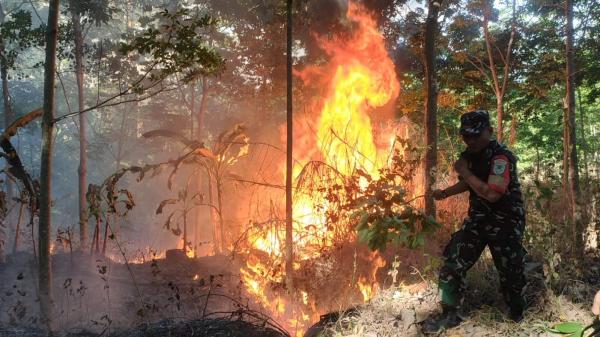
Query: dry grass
(394,312)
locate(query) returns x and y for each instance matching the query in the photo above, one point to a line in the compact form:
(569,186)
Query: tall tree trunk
(584,144)
(185,232)
(513,129)
(3,231)
(500,115)
(82,171)
(430,105)
(289,249)
(565,163)
(578,225)
(537,163)
(500,88)
(202,109)
(211,214)
(105,238)
(45,219)
(192,108)
(8,111)
(120,142)
(18,228)
(219,184)
(198,135)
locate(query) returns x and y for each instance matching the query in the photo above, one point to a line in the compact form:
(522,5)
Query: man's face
(476,144)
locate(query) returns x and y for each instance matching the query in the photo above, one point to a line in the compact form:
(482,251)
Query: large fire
(359,78)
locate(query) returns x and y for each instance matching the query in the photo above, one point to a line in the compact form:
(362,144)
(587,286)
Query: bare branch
(106,102)
(483,72)
(507,64)
(488,44)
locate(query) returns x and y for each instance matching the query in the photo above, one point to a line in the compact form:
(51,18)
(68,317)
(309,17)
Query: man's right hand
(439,194)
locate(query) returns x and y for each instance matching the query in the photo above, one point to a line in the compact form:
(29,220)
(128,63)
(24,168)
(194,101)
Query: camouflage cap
(473,122)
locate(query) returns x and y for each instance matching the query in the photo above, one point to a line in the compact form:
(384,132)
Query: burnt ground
(95,296)
(222,327)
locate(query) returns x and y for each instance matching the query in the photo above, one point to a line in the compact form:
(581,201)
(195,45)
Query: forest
(305,168)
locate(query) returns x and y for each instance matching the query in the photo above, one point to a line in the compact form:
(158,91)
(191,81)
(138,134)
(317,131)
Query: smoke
(326,15)
(330,8)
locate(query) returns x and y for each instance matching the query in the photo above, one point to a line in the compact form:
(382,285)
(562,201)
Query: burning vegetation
(179,226)
(354,192)
(349,174)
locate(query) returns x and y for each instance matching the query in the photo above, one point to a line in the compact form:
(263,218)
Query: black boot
(448,318)
(516,314)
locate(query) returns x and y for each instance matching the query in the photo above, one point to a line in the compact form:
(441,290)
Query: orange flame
(358,79)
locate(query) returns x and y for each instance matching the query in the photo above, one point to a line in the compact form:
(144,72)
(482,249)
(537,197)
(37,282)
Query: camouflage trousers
(465,248)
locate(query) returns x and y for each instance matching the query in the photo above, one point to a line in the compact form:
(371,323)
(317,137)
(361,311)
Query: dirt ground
(94,296)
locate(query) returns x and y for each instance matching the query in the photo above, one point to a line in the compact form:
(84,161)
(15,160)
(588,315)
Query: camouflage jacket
(497,166)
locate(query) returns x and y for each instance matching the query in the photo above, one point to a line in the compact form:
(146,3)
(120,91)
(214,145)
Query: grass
(395,311)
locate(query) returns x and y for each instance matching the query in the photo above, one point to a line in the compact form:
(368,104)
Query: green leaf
(578,333)
(362,223)
(569,328)
(363,236)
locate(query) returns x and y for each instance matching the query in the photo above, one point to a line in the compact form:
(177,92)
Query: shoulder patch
(499,166)
(499,177)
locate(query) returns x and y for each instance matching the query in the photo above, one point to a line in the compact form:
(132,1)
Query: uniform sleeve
(499,177)
(464,155)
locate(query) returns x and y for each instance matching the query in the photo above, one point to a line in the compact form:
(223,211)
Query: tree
(79,75)
(289,216)
(8,113)
(16,35)
(45,221)
(82,12)
(570,140)
(488,61)
(499,88)
(430,122)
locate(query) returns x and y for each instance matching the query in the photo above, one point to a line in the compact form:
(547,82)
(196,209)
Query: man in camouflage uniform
(496,218)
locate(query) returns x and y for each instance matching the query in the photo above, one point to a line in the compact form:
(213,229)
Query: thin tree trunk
(578,225)
(584,141)
(197,135)
(116,229)
(3,231)
(537,163)
(185,236)
(202,109)
(8,111)
(513,129)
(120,143)
(211,213)
(492,63)
(45,219)
(192,107)
(106,226)
(430,162)
(18,228)
(220,205)
(566,191)
(94,245)
(499,88)
(500,115)
(82,171)
(289,216)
